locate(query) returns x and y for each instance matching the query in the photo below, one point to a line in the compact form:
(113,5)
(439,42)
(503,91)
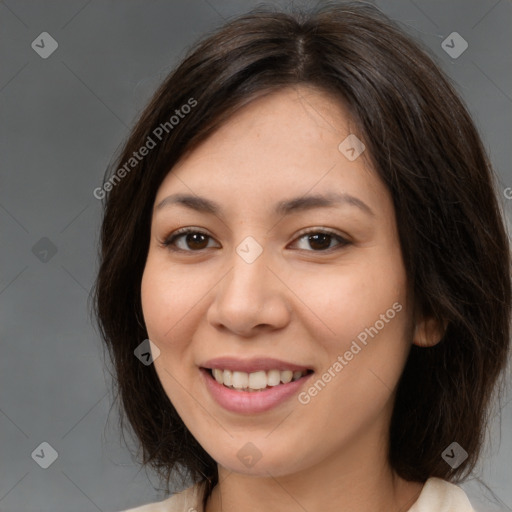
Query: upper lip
(251,365)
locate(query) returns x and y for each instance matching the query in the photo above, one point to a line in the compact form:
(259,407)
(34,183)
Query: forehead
(279,145)
(296,119)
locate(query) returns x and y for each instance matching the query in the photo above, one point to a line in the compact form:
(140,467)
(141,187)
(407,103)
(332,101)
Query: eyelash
(169,241)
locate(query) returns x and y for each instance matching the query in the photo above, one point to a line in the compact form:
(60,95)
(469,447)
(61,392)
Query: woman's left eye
(323,239)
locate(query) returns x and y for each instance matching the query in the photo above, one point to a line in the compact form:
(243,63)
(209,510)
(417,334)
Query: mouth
(257,381)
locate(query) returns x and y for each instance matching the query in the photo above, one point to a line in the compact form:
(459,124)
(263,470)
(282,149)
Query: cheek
(365,336)
(168,309)
(154,300)
(166,300)
(352,298)
(163,305)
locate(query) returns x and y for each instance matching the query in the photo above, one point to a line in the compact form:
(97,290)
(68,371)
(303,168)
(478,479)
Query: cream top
(437,495)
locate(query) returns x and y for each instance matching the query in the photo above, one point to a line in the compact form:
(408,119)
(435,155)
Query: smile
(256,392)
(256,381)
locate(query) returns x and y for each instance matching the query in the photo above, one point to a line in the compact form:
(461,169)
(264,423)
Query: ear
(428,331)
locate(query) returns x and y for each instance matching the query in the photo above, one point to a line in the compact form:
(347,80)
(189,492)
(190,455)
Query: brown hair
(425,148)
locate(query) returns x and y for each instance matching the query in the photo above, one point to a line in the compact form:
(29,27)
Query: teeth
(227,377)
(240,380)
(258,380)
(273,377)
(255,381)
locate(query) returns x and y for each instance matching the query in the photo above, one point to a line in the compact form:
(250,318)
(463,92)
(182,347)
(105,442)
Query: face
(316,285)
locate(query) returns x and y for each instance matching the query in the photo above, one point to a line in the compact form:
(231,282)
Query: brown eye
(187,240)
(196,240)
(320,241)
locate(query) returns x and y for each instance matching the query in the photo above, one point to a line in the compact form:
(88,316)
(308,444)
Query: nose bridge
(249,295)
(248,277)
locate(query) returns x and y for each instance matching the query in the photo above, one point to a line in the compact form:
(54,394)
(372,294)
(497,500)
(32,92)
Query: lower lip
(251,402)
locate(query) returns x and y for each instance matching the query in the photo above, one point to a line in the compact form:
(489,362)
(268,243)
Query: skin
(297,302)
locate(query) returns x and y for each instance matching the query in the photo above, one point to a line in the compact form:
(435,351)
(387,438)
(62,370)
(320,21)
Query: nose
(250,298)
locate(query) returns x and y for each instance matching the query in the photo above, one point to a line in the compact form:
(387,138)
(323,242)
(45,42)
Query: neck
(358,480)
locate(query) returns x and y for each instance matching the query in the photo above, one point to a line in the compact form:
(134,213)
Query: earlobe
(428,332)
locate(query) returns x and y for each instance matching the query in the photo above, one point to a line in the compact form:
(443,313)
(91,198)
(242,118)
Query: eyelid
(171,237)
(320,229)
(342,239)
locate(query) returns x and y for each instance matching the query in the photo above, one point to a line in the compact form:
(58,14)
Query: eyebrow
(283,208)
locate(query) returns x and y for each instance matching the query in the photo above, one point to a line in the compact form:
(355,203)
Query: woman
(304,282)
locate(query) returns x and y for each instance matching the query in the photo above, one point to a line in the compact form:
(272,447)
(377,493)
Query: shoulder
(439,495)
(187,500)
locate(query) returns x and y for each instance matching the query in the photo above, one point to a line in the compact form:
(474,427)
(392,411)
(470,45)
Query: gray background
(62,119)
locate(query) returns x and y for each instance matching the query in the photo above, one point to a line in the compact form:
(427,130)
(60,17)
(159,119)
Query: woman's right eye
(191,240)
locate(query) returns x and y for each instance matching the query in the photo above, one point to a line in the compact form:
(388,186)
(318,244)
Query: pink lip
(251,365)
(251,402)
